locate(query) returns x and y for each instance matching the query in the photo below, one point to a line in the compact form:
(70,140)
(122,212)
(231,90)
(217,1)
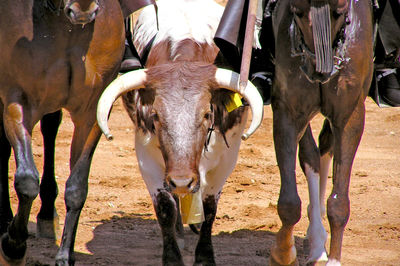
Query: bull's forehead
(181,114)
(181,103)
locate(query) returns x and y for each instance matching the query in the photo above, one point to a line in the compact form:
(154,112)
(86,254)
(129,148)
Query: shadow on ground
(136,240)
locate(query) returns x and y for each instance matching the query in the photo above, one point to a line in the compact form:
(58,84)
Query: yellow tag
(234,103)
(192,208)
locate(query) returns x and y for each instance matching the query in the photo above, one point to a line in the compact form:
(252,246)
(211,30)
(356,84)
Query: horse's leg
(47,218)
(346,140)
(84,142)
(18,127)
(325,151)
(286,132)
(310,163)
(5,208)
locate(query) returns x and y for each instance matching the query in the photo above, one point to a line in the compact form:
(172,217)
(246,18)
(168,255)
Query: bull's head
(180,113)
(319,22)
(81,11)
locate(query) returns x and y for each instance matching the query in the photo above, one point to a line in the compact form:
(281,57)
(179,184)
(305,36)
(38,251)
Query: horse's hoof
(273,262)
(333,262)
(6,261)
(319,258)
(320,261)
(48,228)
(316,263)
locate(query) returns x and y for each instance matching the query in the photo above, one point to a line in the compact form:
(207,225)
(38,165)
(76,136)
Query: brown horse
(324,51)
(55,54)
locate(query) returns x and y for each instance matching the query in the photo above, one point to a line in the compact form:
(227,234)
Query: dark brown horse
(324,51)
(55,54)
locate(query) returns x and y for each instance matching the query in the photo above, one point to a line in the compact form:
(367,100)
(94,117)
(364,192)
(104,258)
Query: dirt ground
(118,226)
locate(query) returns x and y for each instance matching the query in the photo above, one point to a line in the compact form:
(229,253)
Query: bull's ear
(129,6)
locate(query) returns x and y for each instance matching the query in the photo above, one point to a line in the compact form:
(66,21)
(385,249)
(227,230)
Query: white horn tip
(245,136)
(109,137)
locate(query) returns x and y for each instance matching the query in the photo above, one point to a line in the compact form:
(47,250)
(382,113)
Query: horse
(323,64)
(56,54)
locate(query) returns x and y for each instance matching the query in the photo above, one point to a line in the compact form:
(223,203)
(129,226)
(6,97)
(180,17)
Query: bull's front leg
(204,251)
(151,165)
(167,212)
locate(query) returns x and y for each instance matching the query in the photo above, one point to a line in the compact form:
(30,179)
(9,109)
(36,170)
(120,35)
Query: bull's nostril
(172,184)
(190,183)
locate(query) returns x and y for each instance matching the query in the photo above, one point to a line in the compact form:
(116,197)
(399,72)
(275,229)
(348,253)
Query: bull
(55,54)
(186,142)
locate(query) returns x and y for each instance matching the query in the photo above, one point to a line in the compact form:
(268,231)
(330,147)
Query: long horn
(230,80)
(130,81)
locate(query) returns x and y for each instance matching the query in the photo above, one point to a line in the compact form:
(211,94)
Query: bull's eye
(154,116)
(207,116)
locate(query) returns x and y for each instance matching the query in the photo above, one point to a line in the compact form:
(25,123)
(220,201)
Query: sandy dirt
(118,224)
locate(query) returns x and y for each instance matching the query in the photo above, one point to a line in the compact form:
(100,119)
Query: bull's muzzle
(77,15)
(182,184)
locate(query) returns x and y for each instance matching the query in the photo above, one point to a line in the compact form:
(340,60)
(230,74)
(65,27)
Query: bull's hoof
(63,258)
(63,263)
(205,263)
(48,228)
(181,243)
(273,262)
(6,260)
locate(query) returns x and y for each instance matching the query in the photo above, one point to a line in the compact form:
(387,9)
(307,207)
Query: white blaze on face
(181,124)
